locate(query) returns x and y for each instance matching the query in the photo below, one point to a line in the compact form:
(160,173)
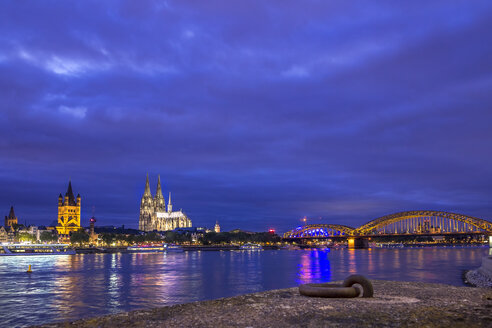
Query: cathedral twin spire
(154,216)
(158,199)
(158,192)
(147,187)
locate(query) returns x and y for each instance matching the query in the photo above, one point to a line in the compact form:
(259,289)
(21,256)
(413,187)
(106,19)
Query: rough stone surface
(478,279)
(395,304)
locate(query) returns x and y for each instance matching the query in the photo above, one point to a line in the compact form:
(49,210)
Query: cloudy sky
(254,113)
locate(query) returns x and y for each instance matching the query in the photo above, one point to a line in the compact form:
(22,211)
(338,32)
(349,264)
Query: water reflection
(72,287)
(351,262)
(314,266)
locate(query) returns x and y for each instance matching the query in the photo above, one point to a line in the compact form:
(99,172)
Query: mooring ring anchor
(346,290)
(367,289)
(328,290)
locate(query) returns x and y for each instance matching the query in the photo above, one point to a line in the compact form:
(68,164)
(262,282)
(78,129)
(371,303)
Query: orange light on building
(351,243)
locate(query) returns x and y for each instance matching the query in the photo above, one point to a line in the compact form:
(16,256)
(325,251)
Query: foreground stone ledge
(396,304)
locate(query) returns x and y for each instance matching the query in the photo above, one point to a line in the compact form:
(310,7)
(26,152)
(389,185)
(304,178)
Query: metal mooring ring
(328,290)
(346,290)
(367,289)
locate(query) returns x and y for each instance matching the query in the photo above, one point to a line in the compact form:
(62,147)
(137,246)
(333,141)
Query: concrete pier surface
(481,277)
(395,304)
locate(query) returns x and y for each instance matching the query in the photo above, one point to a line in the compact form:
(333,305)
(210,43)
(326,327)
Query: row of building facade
(12,230)
(155,215)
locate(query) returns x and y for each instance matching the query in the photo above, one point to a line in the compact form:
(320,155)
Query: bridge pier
(357,243)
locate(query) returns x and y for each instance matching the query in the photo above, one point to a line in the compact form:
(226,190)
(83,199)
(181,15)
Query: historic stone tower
(68,212)
(146,209)
(11,219)
(159,201)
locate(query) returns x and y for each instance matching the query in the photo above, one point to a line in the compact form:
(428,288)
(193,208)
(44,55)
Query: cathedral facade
(155,216)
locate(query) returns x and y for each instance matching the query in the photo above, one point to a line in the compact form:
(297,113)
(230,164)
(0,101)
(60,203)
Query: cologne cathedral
(153,213)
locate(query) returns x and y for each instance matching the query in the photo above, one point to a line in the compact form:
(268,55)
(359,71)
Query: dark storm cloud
(255,113)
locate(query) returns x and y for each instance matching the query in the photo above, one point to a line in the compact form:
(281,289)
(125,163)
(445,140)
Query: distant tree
(120,238)
(153,237)
(207,238)
(24,236)
(240,237)
(130,239)
(108,238)
(139,239)
(48,236)
(17,226)
(222,238)
(79,237)
(170,237)
(183,238)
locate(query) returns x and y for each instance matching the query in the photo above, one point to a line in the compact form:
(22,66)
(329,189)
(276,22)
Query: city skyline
(340,111)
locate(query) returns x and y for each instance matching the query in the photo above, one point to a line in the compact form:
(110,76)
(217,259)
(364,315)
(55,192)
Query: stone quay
(395,304)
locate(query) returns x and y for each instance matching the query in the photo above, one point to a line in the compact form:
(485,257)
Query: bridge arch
(319,230)
(386,220)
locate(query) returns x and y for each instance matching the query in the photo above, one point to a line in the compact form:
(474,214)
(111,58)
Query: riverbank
(395,304)
(481,277)
(123,249)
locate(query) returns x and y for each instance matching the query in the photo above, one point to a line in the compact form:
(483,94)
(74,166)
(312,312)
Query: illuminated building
(217,227)
(92,235)
(4,235)
(11,219)
(68,212)
(153,213)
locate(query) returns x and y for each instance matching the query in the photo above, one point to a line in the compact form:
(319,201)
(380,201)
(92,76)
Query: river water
(79,286)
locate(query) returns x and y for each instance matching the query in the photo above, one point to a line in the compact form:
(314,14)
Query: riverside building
(155,216)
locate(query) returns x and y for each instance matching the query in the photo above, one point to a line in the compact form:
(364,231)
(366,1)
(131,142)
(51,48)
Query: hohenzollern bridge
(402,223)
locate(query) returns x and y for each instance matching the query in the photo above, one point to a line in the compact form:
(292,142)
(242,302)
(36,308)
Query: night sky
(254,113)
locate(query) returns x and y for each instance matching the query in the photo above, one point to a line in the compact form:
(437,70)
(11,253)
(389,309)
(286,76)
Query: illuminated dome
(92,220)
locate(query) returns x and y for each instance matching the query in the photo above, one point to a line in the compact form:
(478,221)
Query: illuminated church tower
(159,201)
(68,212)
(146,209)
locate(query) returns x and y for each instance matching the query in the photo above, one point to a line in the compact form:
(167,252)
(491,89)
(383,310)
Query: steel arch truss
(319,231)
(396,217)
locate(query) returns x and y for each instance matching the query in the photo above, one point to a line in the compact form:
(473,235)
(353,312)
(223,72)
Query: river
(84,285)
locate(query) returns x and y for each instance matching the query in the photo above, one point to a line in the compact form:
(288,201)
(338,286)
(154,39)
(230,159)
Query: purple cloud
(255,114)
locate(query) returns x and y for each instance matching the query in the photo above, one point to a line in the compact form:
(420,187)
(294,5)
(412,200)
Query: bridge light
(351,243)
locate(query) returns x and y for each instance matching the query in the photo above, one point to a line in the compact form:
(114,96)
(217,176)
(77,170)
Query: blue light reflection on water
(72,287)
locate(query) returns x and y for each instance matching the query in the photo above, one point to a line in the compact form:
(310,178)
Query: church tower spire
(169,205)
(12,213)
(147,187)
(159,201)
(159,189)
(11,219)
(146,209)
